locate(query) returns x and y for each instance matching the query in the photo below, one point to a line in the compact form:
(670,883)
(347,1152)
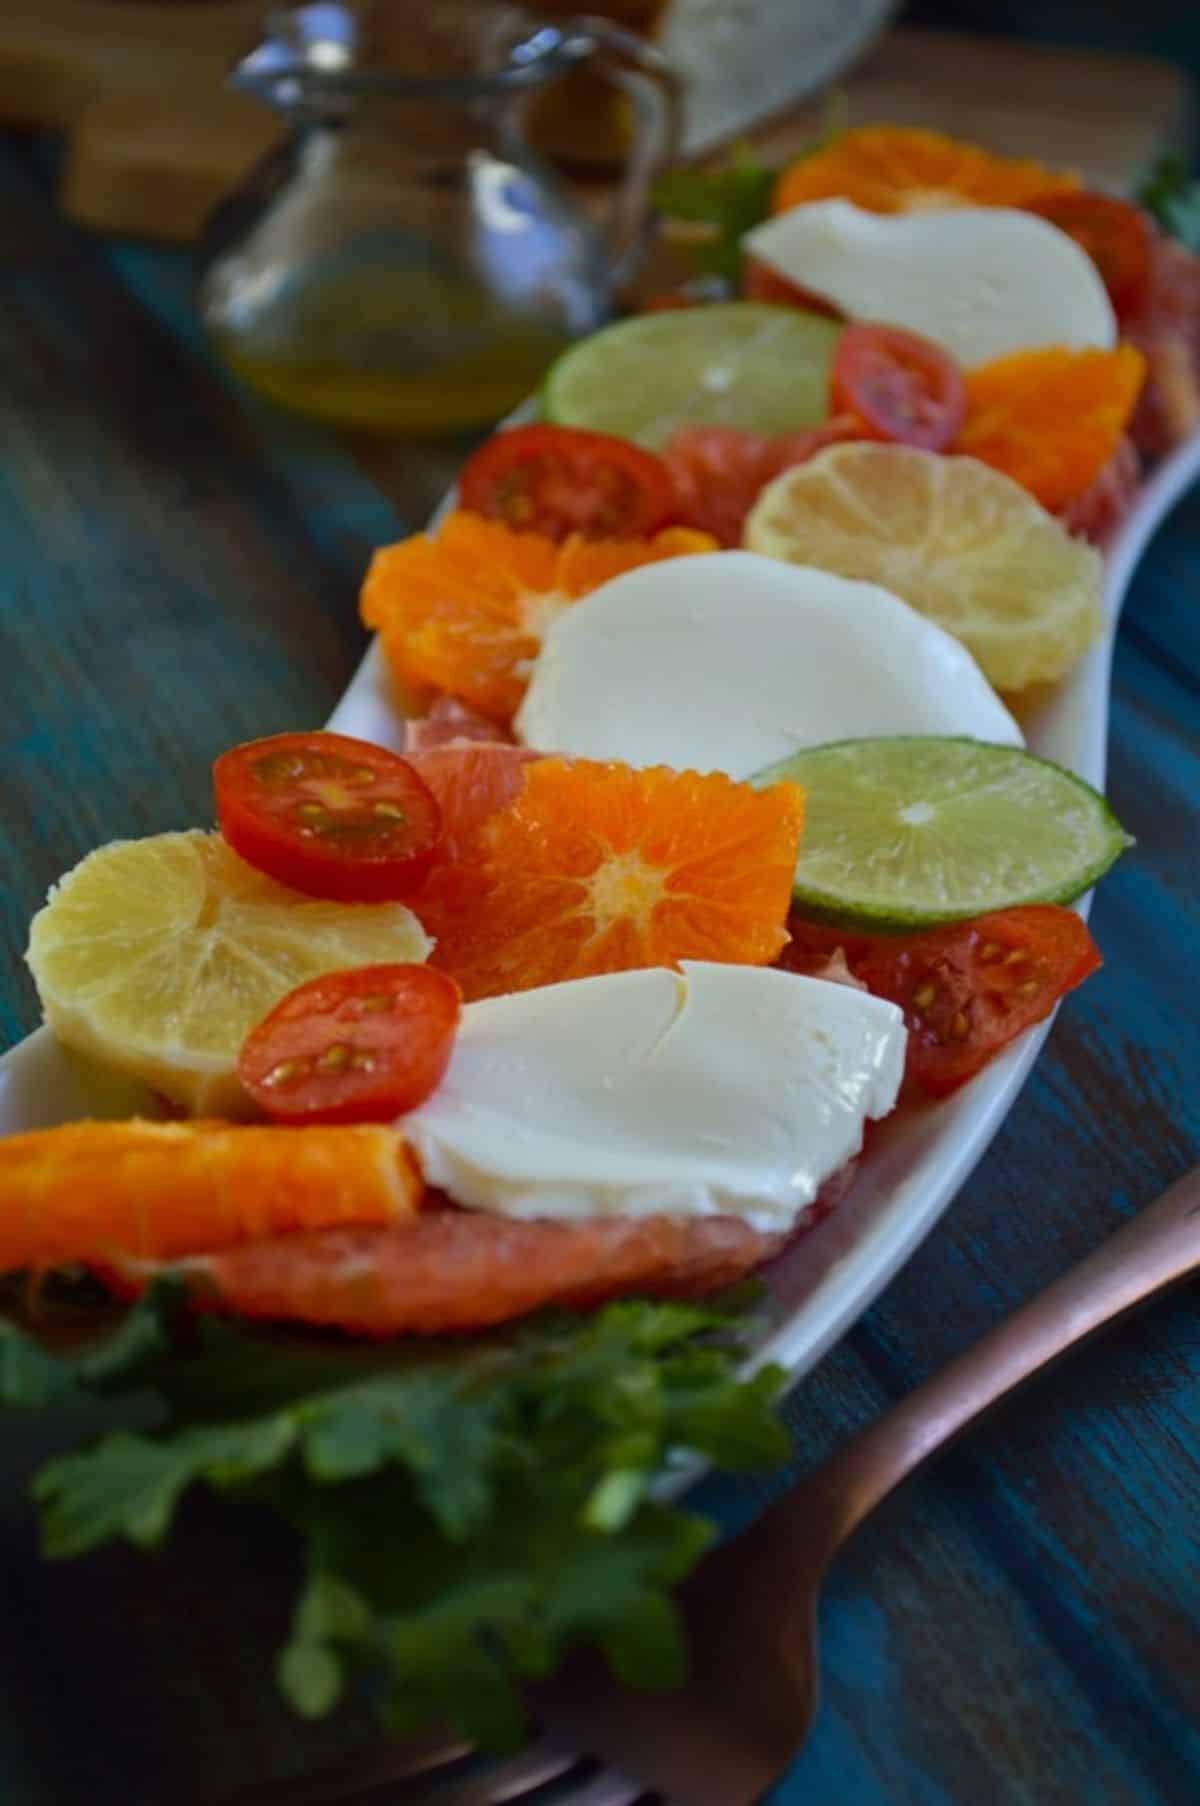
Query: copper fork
(751,1608)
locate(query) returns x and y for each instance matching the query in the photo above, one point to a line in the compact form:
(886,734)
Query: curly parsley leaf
(1172,194)
(466,1510)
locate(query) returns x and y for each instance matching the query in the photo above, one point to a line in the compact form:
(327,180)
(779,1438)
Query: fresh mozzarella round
(979,281)
(729,661)
(718,1090)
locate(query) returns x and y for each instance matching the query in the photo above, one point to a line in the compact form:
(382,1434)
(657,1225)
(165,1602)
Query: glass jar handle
(643,74)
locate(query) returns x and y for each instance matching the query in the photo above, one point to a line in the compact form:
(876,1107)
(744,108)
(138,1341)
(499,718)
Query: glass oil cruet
(405,262)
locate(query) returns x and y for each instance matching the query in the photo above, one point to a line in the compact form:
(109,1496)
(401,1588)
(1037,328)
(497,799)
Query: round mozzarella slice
(978,281)
(729,661)
(718,1090)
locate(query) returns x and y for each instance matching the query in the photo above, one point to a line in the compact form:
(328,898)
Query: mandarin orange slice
(464,610)
(448,1270)
(89,1191)
(1051,419)
(900,169)
(601,868)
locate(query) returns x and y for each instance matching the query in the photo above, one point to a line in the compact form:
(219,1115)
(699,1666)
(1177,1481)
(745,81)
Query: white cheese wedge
(729,661)
(979,281)
(721,1090)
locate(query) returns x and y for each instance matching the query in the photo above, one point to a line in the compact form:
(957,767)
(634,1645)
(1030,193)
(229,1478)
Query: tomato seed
(336,1058)
(363,1062)
(316,813)
(924,997)
(960,1026)
(1028,988)
(285,1072)
(371,1006)
(990,950)
(391,810)
(1017,957)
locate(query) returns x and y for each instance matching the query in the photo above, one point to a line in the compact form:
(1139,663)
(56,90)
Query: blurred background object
(405,261)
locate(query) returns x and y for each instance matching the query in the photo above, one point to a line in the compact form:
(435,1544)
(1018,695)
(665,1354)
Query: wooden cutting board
(155,139)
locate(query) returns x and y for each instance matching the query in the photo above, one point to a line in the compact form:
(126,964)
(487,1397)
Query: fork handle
(1159,1247)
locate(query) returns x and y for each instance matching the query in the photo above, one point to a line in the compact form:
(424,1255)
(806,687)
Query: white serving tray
(917,1160)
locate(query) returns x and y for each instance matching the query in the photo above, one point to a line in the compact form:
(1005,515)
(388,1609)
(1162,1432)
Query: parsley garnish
(466,1510)
(1172,194)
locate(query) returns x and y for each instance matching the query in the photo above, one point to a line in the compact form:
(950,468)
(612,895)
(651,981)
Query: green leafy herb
(730,199)
(1172,194)
(466,1510)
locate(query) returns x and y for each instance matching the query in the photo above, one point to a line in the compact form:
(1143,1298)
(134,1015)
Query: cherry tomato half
(1116,236)
(904,387)
(966,990)
(359,1046)
(328,815)
(558,480)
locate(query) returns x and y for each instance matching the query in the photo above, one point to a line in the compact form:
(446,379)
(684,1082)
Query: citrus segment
(901,169)
(912,832)
(963,544)
(600,868)
(464,609)
(158,956)
(89,1191)
(1051,419)
(447,1270)
(735,363)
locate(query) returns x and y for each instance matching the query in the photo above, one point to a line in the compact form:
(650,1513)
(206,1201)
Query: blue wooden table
(178,570)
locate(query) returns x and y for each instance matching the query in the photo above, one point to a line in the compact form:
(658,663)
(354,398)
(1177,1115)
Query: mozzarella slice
(721,1090)
(729,661)
(979,281)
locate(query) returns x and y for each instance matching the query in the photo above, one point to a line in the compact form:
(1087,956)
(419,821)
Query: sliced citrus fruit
(961,543)
(737,363)
(158,956)
(445,1270)
(902,169)
(1051,419)
(909,832)
(600,868)
(464,609)
(92,1191)
(471,782)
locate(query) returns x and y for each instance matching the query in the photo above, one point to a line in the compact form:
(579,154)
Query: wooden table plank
(1024,1624)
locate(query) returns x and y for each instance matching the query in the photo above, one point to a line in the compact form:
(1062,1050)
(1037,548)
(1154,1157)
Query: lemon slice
(737,363)
(914,831)
(158,956)
(961,543)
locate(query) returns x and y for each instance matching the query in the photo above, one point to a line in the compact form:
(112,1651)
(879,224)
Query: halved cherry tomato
(558,480)
(966,990)
(906,389)
(760,283)
(328,815)
(1117,237)
(360,1046)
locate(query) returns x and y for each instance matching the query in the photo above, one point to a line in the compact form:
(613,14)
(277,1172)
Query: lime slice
(735,364)
(909,832)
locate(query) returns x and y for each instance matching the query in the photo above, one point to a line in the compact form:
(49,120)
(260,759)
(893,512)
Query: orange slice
(89,1191)
(899,169)
(464,610)
(1051,419)
(601,868)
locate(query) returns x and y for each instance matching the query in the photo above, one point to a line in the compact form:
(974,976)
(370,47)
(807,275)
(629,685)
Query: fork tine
(515,1778)
(606,1789)
(355,1776)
